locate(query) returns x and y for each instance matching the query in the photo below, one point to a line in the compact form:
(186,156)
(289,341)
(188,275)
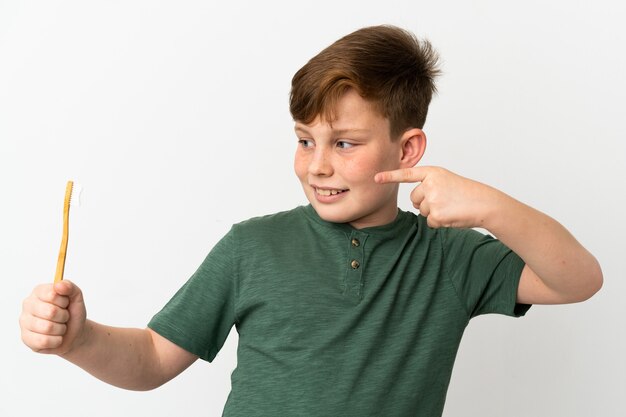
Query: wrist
(81,341)
(497,211)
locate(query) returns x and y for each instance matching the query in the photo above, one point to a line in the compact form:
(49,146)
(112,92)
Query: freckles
(355,170)
(356,164)
(373,163)
(299,169)
(362,172)
(300,164)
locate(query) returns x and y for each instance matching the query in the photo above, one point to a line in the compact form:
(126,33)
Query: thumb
(68,289)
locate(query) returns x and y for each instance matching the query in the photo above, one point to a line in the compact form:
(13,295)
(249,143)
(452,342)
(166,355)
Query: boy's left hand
(558,269)
(445,198)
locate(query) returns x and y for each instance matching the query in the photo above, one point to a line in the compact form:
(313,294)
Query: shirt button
(355,242)
(355,264)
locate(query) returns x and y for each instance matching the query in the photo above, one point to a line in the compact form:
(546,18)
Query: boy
(348,306)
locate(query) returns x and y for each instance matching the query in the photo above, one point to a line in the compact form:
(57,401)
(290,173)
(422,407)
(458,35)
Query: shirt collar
(401,222)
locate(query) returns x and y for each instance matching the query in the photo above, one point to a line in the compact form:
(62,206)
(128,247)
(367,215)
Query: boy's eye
(305,143)
(344,145)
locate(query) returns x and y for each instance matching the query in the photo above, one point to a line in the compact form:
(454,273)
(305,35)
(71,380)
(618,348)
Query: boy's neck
(378,219)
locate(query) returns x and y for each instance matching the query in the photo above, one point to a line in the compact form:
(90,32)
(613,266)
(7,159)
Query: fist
(445,198)
(53,318)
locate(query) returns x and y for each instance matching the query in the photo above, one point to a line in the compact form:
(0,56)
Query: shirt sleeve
(484,272)
(200,315)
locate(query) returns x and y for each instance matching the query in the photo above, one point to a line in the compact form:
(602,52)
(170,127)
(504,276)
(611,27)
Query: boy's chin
(333,215)
(334,219)
(357,216)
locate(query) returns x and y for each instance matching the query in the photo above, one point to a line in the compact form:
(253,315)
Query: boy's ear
(413,146)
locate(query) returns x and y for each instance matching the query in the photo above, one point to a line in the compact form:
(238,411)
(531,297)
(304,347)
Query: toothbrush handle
(58,276)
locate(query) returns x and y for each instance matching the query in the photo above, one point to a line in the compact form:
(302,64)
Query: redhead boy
(347,306)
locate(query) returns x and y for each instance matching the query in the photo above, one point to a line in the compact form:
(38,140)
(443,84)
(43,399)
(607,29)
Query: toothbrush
(66,218)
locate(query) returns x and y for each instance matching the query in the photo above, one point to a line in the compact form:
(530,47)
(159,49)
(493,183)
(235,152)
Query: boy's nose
(320,164)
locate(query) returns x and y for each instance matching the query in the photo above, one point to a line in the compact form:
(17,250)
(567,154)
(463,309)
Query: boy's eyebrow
(299,128)
(337,132)
(349,130)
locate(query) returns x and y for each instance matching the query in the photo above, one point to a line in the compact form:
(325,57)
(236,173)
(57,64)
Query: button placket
(355,264)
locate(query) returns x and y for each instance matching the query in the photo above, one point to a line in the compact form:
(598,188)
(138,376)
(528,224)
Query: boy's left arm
(558,268)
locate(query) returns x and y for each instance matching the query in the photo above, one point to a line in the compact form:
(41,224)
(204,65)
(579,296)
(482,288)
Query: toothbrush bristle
(75,194)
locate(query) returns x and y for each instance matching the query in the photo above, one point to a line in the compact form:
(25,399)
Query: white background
(174,118)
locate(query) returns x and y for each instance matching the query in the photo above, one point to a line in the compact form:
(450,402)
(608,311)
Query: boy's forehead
(352,114)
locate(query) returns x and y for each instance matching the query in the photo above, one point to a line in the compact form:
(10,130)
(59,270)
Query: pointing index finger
(415,174)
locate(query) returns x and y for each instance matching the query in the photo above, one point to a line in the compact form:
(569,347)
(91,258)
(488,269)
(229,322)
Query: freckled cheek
(363,171)
(300,166)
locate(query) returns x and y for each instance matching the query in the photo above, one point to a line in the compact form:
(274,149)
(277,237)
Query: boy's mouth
(328,191)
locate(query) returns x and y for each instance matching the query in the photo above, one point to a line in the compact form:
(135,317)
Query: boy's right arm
(53,320)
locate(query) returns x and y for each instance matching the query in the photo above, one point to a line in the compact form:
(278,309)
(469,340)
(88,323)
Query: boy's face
(337,164)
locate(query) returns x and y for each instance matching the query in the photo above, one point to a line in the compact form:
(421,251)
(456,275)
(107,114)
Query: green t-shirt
(337,321)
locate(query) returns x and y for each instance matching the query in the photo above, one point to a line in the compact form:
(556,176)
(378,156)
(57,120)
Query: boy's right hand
(53,318)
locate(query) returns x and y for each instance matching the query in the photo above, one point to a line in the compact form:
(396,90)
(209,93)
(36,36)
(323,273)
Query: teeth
(328,192)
